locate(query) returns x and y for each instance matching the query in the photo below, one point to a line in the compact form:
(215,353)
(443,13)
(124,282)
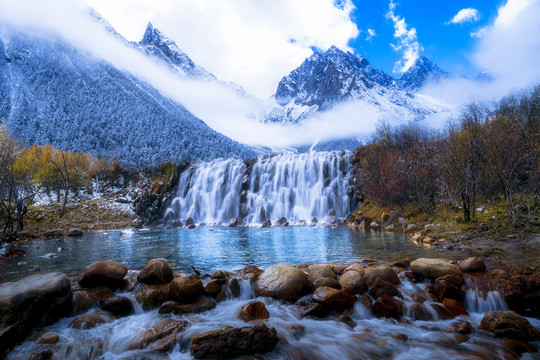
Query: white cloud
(407,41)
(468,15)
(370,34)
(253,43)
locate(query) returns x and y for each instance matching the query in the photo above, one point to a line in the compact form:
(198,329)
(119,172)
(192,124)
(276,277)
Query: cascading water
(294,186)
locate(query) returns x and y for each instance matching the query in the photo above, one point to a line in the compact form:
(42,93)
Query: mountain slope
(326,79)
(53,93)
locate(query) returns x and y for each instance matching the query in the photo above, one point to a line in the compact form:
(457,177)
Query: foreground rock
(102,273)
(434,268)
(118,306)
(229,342)
(253,310)
(90,321)
(332,299)
(472,265)
(353,281)
(157,271)
(161,337)
(509,324)
(35,301)
(282,281)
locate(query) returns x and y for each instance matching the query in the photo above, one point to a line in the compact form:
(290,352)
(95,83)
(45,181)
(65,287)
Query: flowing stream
(300,338)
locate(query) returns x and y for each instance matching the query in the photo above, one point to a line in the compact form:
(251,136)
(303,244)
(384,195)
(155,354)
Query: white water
(370,338)
(295,186)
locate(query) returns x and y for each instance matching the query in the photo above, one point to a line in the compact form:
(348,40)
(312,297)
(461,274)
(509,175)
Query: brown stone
(453,279)
(384,273)
(356,267)
(380,287)
(446,290)
(200,305)
(420,312)
(118,306)
(212,288)
(229,342)
(434,268)
(157,271)
(403,263)
(518,347)
(282,281)
(315,310)
(84,299)
(333,299)
(443,312)
(161,337)
(455,306)
(322,270)
(388,307)
(48,338)
(102,273)
(251,269)
(90,321)
(366,301)
(346,319)
(253,310)
(185,289)
(333,283)
(509,324)
(463,328)
(472,264)
(353,281)
(400,337)
(151,296)
(234,286)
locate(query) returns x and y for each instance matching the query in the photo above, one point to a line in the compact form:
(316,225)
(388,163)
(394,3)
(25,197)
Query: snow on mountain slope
(53,93)
(421,72)
(326,79)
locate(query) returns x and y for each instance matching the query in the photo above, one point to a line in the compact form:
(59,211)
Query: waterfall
(294,186)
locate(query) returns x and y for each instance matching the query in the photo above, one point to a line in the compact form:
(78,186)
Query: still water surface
(211,248)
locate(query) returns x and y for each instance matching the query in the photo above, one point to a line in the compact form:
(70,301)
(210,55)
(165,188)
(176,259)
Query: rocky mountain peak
(421,71)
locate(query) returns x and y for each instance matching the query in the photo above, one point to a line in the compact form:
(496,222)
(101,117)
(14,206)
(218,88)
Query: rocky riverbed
(426,308)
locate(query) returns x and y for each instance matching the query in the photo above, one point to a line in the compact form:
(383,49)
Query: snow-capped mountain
(326,79)
(421,72)
(155,44)
(51,92)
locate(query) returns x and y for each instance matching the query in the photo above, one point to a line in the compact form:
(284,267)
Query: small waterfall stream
(295,186)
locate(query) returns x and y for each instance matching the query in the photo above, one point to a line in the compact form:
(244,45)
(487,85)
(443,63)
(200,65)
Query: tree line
(487,153)
(27,170)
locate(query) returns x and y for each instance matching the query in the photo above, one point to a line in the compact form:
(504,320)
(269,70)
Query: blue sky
(449,45)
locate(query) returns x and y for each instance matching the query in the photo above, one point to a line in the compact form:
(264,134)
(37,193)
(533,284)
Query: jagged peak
(151,34)
(423,62)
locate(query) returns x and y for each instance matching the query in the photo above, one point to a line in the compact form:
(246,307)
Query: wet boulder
(163,336)
(356,267)
(74,233)
(382,272)
(455,306)
(212,288)
(35,301)
(85,299)
(200,305)
(102,273)
(380,287)
(333,299)
(463,328)
(282,281)
(420,312)
(509,324)
(353,281)
(89,321)
(445,289)
(118,306)
(333,283)
(151,296)
(157,271)
(229,342)
(315,310)
(266,224)
(185,289)
(281,221)
(472,264)
(388,307)
(434,268)
(253,310)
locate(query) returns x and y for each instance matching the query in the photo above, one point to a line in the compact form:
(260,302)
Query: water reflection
(210,248)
